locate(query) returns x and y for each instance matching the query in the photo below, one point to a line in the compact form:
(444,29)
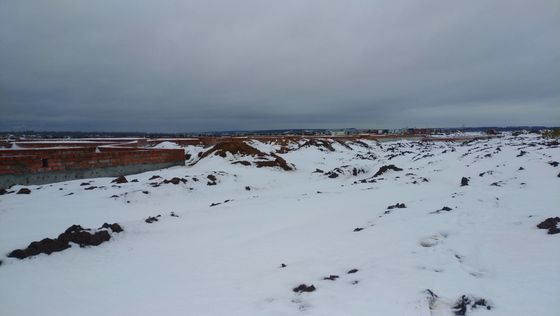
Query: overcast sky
(180,66)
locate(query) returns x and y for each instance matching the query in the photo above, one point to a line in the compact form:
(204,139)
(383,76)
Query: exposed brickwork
(35,161)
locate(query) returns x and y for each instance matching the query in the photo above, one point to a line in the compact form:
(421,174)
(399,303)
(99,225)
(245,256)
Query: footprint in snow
(432,241)
(477,273)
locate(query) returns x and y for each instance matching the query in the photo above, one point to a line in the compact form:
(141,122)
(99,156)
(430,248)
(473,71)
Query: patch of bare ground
(240,148)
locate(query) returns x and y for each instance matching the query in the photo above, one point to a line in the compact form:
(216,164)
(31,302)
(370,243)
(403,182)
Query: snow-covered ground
(227,259)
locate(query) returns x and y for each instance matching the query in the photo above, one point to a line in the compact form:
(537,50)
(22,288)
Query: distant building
(337,132)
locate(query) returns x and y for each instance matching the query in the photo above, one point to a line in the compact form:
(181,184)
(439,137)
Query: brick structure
(44,165)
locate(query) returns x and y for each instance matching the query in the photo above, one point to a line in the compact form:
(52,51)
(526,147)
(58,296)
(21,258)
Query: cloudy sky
(174,66)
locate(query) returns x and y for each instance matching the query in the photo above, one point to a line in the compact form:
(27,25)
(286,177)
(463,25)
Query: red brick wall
(60,144)
(44,151)
(84,158)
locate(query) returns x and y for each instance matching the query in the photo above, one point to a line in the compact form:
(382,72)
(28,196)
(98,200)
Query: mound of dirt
(322,144)
(75,233)
(239,147)
(398,205)
(277,162)
(24,191)
(285,144)
(386,168)
(342,170)
(241,162)
(115,227)
(461,306)
(175,180)
(152,219)
(464,181)
(120,179)
(551,224)
(212,179)
(234,147)
(304,288)
(3,191)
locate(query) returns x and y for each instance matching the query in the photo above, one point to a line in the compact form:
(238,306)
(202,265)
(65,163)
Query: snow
(167,145)
(225,259)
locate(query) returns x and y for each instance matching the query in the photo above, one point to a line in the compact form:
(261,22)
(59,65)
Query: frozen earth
(246,231)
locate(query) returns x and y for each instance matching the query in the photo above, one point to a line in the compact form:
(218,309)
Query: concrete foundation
(7,180)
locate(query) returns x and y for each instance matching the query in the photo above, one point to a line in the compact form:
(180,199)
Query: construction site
(41,161)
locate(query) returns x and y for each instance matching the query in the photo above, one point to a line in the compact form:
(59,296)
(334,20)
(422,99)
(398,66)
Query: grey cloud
(220,65)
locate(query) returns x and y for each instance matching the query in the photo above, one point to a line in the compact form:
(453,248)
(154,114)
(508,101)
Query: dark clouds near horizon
(173,66)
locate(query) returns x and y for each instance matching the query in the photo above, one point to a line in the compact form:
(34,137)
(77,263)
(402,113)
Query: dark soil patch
(3,191)
(333,175)
(46,245)
(462,305)
(304,288)
(75,233)
(24,191)
(152,219)
(386,168)
(460,308)
(283,265)
(175,180)
(239,147)
(443,209)
(464,181)
(352,271)
(358,229)
(319,143)
(234,147)
(154,177)
(242,162)
(277,162)
(398,205)
(554,163)
(115,227)
(317,170)
(120,179)
(481,303)
(551,224)
(84,184)
(331,277)
(216,204)
(247,188)
(172,214)
(211,179)
(486,172)
(90,188)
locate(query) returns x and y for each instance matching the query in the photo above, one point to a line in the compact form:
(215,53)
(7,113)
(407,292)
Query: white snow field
(227,259)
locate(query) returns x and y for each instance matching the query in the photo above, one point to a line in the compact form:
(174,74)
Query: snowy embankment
(237,238)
